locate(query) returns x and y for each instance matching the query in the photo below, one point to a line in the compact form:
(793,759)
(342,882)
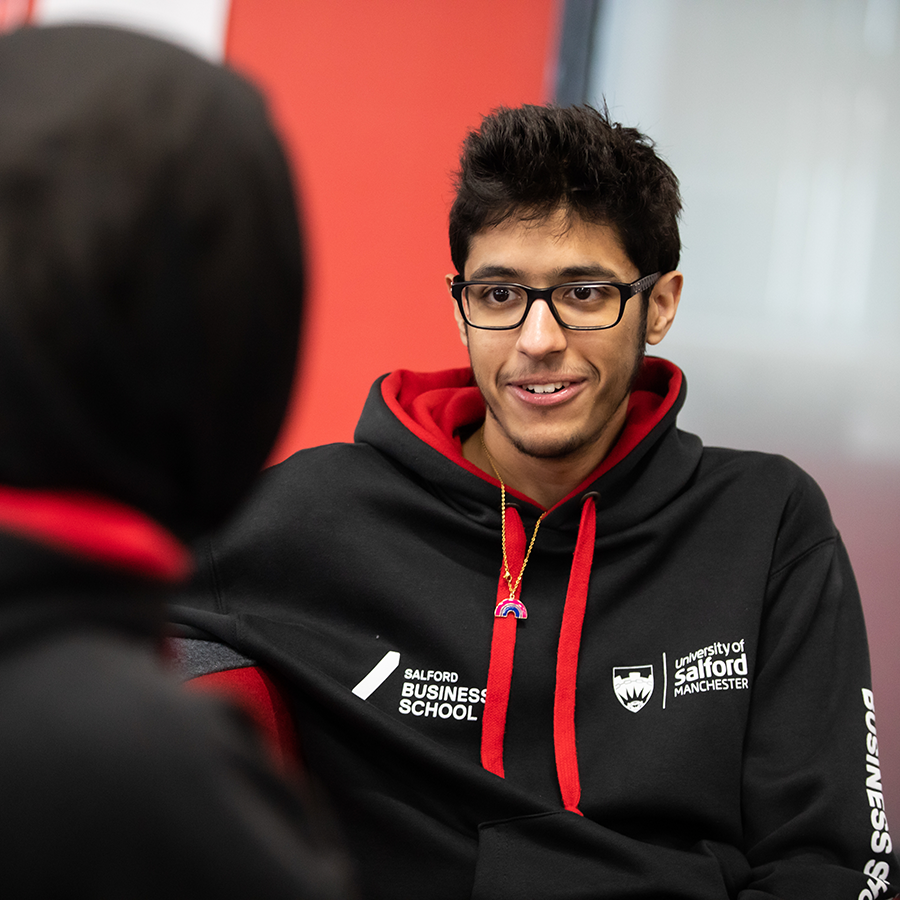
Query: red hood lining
(95,529)
(436,406)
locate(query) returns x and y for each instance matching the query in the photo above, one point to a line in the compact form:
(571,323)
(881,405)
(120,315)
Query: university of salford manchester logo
(633,686)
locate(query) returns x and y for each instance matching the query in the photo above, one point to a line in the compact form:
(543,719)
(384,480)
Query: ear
(460,321)
(663,305)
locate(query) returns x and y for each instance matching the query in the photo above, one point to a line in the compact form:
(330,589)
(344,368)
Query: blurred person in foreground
(151,287)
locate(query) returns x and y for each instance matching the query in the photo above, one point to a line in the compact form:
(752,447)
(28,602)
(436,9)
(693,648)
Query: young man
(540,642)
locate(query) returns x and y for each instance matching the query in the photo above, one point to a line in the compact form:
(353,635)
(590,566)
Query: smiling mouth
(545,388)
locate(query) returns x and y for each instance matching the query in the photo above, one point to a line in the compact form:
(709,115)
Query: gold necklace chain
(506,573)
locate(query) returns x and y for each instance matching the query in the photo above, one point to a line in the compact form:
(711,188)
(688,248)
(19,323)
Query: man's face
(552,393)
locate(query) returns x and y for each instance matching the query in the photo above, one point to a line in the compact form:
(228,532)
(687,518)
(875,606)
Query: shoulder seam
(815,547)
(214,577)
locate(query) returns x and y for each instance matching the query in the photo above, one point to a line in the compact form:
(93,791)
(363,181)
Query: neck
(546,481)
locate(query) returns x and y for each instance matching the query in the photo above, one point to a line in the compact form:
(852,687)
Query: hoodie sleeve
(813,807)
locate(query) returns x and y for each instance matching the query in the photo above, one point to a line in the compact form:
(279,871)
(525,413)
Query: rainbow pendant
(510,607)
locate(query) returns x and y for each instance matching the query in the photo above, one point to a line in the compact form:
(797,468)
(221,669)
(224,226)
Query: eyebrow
(568,273)
(598,272)
(494,272)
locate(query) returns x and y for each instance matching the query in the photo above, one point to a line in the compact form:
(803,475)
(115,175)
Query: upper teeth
(544,388)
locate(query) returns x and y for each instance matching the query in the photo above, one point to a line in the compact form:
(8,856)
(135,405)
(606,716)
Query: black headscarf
(151,278)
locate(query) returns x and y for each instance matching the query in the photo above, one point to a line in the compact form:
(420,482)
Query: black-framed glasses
(577,305)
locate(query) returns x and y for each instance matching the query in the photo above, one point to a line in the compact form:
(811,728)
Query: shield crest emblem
(633,686)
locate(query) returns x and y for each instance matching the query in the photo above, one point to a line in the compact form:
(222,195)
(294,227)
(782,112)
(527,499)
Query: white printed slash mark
(376,678)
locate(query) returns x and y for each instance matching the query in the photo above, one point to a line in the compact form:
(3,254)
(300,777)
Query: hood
(151,278)
(90,529)
(407,410)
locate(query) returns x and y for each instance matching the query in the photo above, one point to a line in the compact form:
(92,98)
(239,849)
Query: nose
(540,334)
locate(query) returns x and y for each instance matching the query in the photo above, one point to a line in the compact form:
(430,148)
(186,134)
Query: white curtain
(782,121)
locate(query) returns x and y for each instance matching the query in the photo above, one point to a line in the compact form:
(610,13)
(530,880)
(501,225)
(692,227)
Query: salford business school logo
(633,686)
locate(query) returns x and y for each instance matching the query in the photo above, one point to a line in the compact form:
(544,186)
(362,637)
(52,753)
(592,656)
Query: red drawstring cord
(567,659)
(503,648)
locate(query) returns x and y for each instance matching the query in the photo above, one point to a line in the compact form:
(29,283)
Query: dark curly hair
(528,162)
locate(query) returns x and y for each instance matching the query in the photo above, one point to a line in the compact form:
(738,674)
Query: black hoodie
(721,741)
(151,285)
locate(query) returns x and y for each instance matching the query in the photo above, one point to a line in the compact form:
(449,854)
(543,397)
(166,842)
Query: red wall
(374,98)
